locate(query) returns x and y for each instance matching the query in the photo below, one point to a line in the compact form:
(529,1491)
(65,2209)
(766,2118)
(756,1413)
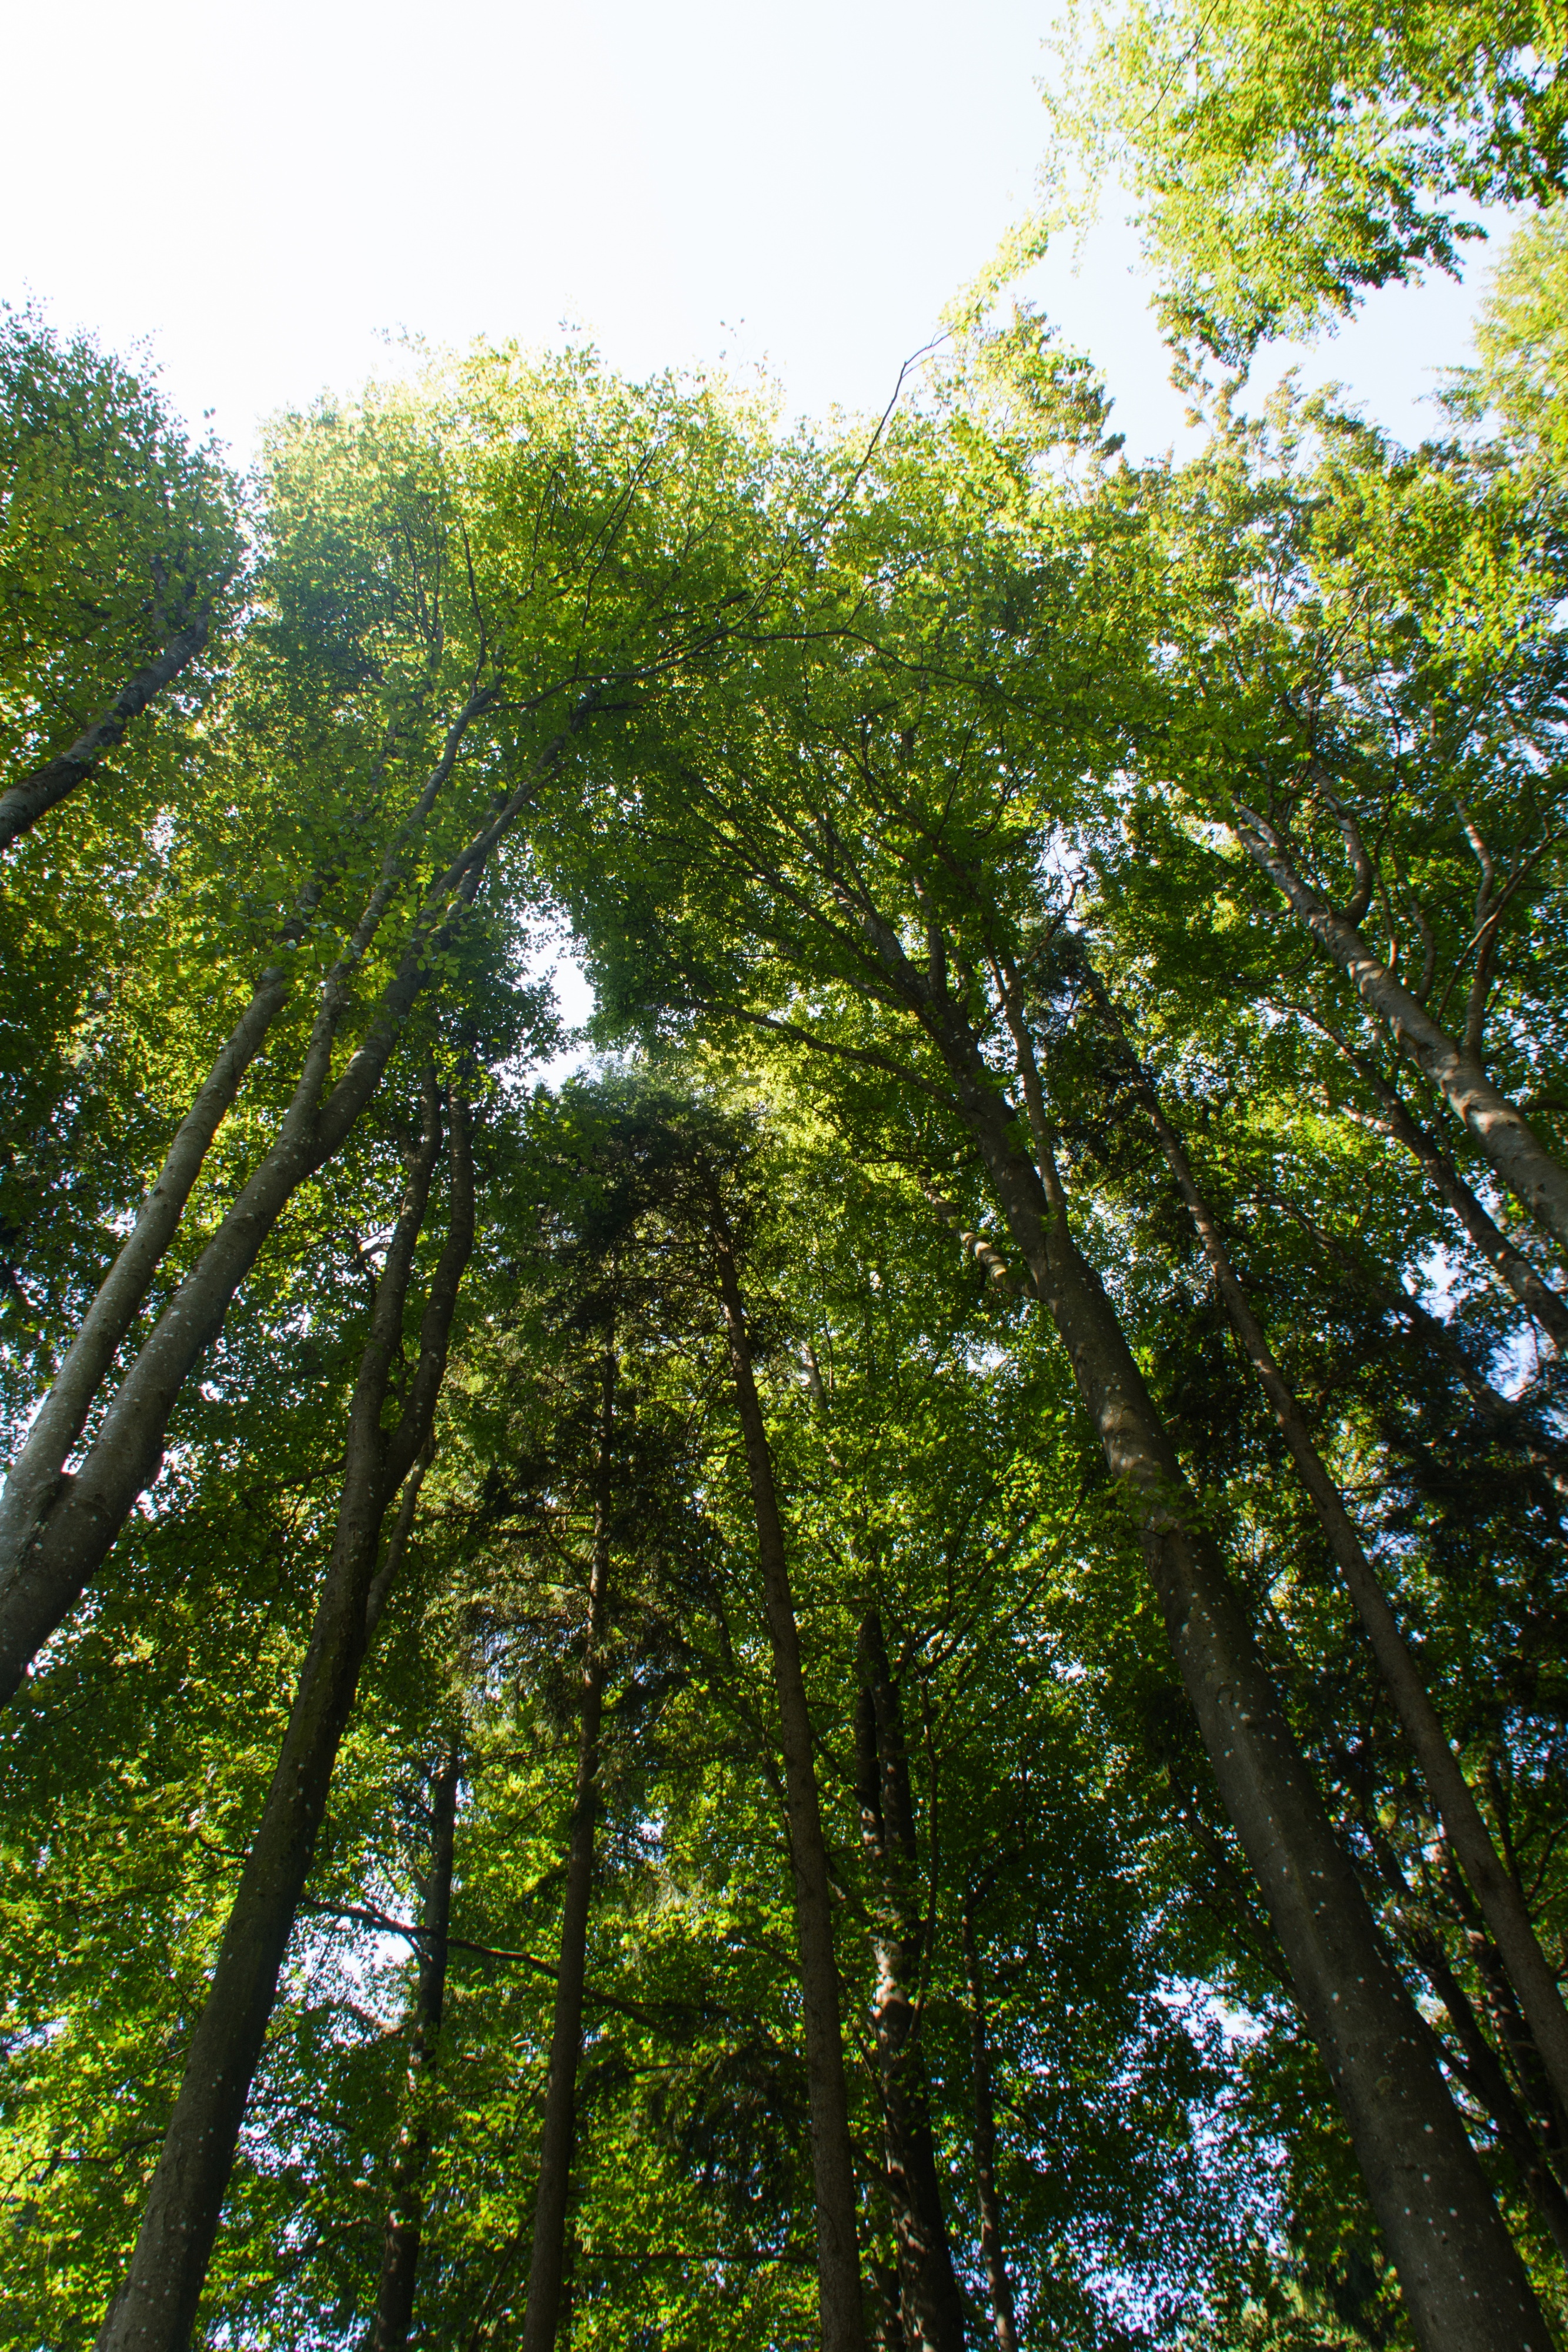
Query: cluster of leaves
(775,721)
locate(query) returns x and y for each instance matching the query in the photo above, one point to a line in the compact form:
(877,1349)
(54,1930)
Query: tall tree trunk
(33,1480)
(1463,2282)
(933,2310)
(89,1510)
(25,801)
(1548,1305)
(832,2166)
(156,2306)
(1003,2315)
(1538,1181)
(405,2209)
(1492,1884)
(547,2268)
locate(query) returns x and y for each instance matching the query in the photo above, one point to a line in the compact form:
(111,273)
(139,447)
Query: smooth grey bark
(547,2267)
(33,1479)
(832,2163)
(156,2306)
(89,1510)
(25,801)
(931,2307)
(405,2209)
(992,2254)
(1538,1181)
(1490,1881)
(1462,2280)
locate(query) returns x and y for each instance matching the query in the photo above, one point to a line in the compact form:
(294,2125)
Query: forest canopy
(876,1655)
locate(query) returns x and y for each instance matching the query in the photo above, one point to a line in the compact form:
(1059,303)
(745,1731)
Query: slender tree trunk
(933,2310)
(838,2258)
(405,2212)
(33,1480)
(547,2268)
(156,2306)
(1483,2073)
(991,2254)
(25,801)
(89,1510)
(1548,1305)
(1463,2282)
(1492,1884)
(1538,1181)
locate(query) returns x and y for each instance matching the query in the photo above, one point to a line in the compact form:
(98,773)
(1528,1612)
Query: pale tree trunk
(25,801)
(90,1510)
(1490,1881)
(546,2268)
(932,2308)
(33,1480)
(832,2164)
(1538,1181)
(1462,2280)
(405,2209)
(156,2306)
(992,2254)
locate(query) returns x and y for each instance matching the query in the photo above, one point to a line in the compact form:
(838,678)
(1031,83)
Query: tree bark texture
(89,1510)
(1462,2280)
(33,1480)
(992,2254)
(931,2307)
(25,801)
(1538,1181)
(405,2209)
(832,2166)
(547,2265)
(156,2306)
(1490,1881)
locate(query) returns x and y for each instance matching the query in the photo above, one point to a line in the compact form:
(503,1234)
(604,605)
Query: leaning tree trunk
(992,2254)
(405,2209)
(1463,2282)
(33,1482)
(933,2310)
(1492,1882)
(1510,1265)
(546,2271)
(25,801)
(1538,1181)
(89,1510)
(832,2164)
(156,2306)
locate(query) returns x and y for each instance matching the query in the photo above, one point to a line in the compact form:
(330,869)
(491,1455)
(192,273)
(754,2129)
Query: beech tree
(886,1669)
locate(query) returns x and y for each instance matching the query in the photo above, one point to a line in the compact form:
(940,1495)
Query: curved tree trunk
(1538,1181)
(931,2307)
(156,2306)
(87,1511)
(546,2268)
(1548,1305)
(25,801)
(33,1482)
(405,2209)
(1463,2283)
(832,2164)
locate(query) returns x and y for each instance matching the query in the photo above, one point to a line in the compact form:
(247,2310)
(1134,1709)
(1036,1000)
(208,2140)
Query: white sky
(264,192)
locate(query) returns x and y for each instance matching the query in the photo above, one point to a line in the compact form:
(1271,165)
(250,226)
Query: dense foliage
(591,1637)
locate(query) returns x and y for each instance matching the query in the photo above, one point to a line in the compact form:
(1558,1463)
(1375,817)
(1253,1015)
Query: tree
(1286,159)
